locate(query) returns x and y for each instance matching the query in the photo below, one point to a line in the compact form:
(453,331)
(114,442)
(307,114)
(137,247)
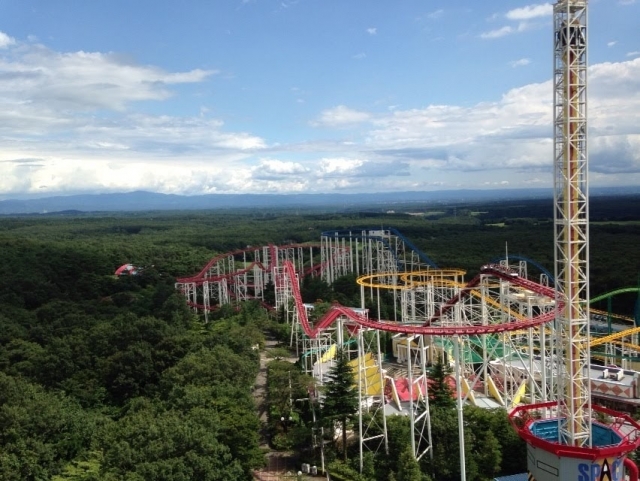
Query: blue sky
(261,96)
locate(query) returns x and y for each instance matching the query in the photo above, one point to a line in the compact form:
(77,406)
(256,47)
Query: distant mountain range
(149,201)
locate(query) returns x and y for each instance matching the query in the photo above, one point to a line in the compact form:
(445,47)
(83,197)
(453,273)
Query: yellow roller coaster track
(614,337)
(437,278)
(442,278)
(613,316)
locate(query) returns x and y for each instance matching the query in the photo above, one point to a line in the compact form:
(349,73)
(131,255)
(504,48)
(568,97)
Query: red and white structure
(564,440)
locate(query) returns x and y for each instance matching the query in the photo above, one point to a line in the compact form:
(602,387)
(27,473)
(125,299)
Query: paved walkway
(260,390)
(280,465)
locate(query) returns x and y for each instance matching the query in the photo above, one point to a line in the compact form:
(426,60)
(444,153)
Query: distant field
(616,222)
(428,214)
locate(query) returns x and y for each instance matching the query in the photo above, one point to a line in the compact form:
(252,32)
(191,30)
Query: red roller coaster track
(204,275)
(428,329)
(503,273)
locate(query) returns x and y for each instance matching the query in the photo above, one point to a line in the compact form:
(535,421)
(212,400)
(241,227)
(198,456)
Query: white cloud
(85,80)
(497,33)
(372,30)
(5,40)
(635,53)
(59,143)
(520,63)
(515,133)
(612,43)
(338,166)
(359,56)
(436,14)
(530,11)
(70,112)
(341,116)
(273,169)
(525,18)
(346,167)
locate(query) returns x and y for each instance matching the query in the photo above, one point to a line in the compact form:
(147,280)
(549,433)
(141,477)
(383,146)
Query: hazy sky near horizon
(295,96)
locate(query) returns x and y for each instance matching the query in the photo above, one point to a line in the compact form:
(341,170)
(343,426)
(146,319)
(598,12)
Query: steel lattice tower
(571,218)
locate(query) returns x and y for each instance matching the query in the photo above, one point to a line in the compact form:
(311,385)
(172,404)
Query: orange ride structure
(564,440)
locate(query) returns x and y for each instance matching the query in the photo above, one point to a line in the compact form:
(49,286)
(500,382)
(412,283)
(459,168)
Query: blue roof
(514,477)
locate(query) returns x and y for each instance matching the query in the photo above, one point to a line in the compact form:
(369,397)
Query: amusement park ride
(515,343)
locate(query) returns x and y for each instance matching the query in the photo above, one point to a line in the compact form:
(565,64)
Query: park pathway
(278,463)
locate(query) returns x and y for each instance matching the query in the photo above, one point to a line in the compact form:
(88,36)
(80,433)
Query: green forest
(115,378)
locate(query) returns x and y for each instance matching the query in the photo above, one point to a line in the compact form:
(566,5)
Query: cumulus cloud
(453,130)
(525,18)
(530,11)
(341,116)
(514,133)
(273,169)
(67,144)
(85,80)
(344,167)
(497,33)
(340,166)
(615,154)
(520,63)
(6,40)
(42,91)
(67,125)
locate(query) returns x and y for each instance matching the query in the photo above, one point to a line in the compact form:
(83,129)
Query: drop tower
(569,439)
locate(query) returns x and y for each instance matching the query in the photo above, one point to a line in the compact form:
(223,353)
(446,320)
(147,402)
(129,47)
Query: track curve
(338,310)
(203,275)
(606,295)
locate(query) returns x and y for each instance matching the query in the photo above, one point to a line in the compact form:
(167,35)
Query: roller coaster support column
(371,419)
(456,355)
(361,381)
(422,421)
(412,410)
(206,300)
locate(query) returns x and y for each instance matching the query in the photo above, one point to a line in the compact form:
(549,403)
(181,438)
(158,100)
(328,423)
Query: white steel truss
(571,219)
(370,378)
(243,275)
